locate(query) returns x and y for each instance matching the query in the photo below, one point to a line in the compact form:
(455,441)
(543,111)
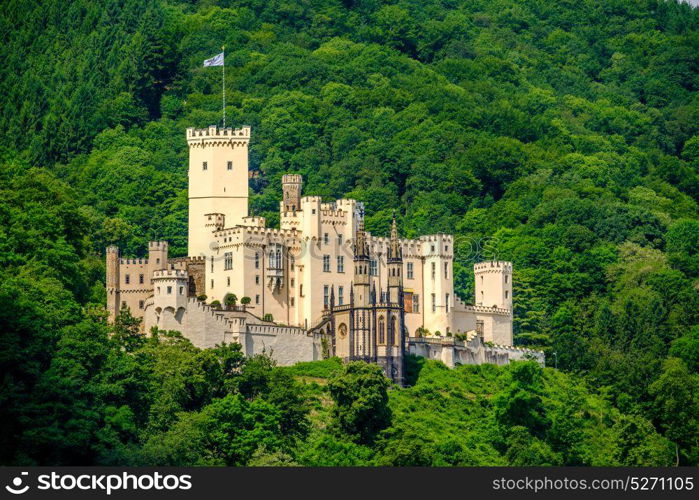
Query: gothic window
(230,165)
(228,260)
(392,337)
(410,270)
(340,295)
(340,264)
(384,297)
(326,295)
(416,303)
(326,263)
(382,330)
(373,267)
(204,166)
(279,259)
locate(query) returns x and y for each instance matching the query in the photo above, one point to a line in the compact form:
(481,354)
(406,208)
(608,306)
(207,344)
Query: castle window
(432,248)
(169,290)
(230,165)
(339,239)
(506,278)
(140,304)
(257,279)
(434,270)
(384,297)
(326,239)
(446,248)
(446,270)
(291,301)
(228,281)
(158,289)
(257,260)
(228,261)
(410,270)
(382,331)
(340,264)
(212,283)
(313,211)
(507,293)
(212,263)
(326,263)
(292,282)
(340,295)
(326,295)
(434,303)
(373,268)
(257,299)
(181,290)
(392,337)
(301,290)
(127,279)
(446,301)
(292,262)
(204,166)
(140,279)
(157,260)
(416,303)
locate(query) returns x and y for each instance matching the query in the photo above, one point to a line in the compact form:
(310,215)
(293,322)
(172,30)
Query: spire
(361,247)
(394,249)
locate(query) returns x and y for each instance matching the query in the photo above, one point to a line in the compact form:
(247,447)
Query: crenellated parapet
(215,136)
(494,266)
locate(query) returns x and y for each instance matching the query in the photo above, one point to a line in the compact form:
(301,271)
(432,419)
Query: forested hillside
(562,135)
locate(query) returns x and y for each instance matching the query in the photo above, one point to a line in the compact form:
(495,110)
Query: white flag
(215,61)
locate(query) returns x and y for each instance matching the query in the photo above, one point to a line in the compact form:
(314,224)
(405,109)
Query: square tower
(218,181)
(493,284)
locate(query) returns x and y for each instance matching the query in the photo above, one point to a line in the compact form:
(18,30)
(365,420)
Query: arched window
(392,332)
(382,330)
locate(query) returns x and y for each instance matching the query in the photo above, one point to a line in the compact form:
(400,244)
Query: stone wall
(473,352)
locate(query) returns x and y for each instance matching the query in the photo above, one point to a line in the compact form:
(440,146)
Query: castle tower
(170,297)
(394,265)
(493,284)
(291,188)
(218,181)
(113,298)
(157,255)
(360,287)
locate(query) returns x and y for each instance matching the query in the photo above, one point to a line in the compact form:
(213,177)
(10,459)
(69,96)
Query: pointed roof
(395,252)
(361,246)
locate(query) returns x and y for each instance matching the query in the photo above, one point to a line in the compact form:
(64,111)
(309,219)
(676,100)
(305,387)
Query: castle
(318,286)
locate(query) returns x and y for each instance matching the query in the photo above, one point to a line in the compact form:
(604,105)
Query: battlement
(170,274)
(113,249)
(292,179)
(157,245)
(214,132)
(492,266)
(446,238)
(133,261)
(311,199)
(254,221)
(487,310)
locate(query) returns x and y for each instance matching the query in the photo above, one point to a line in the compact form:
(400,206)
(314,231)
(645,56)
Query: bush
(215,304)
(202,297)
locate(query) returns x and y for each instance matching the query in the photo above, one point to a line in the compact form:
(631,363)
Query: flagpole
(223,66)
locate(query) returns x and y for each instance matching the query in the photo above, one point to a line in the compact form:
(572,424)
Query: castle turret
(218,180)
(291,187)
(113,299)
(394,265)
(157,255)
(493,284)
(360,285)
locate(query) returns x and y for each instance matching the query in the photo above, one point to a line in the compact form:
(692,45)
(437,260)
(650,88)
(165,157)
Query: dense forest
(562,135)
